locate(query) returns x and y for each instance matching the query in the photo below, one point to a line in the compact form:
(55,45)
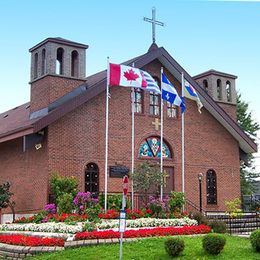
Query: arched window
(92,178)
(74,64)
(138,100)
(211,179)
(43,69)
(228,90)
(59,61)
(151,148)
(219,89)
(205,85)
(35,69)
(154,102)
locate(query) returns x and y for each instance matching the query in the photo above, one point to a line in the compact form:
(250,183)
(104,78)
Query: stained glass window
(151,147)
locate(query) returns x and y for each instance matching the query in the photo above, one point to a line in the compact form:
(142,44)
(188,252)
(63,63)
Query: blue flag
(170,94)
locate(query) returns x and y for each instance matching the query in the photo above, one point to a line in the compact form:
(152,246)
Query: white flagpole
(161,139)
(182,136)
(106,146)
(133,140)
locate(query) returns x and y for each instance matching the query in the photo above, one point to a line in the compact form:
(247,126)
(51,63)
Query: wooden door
(168,180)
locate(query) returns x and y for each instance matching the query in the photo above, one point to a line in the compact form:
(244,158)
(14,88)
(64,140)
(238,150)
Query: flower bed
(22,240)
(61,227)
(51,227)
(147,232)
(148,222)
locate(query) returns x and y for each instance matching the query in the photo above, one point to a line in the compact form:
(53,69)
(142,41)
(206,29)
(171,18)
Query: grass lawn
(153,248)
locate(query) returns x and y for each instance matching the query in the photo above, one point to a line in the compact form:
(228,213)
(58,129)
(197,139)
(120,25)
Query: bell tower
(57,67)
(221,87)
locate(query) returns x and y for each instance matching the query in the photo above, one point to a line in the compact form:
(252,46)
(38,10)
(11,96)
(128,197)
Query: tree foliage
(147,177)
(5,195)
(250,126)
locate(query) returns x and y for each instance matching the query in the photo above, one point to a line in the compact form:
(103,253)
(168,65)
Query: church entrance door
(168,180)
(92,178)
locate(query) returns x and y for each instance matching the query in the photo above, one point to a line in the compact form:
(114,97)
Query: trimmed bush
(218,226)
(174,246)
(255,240)
(202,220)
(65,204)
(213,243)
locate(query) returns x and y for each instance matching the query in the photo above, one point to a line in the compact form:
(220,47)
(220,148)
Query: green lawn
(153,248)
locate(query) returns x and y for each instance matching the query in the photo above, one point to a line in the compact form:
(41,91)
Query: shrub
(213,243)
(114,201)
(218,226)
(84,200)
(50,208)
(233,208)
(177,201)
(156,205)
(201,219)
(255,240)
(62,184)
(65,203)
(174,246)
(89,227)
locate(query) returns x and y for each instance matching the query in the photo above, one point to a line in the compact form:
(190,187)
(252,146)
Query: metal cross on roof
(153,22)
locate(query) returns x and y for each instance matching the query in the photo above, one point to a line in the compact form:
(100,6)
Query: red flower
(22,240)
(146,232)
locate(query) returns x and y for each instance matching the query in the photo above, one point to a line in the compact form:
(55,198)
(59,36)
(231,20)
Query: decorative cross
(165,176)
(156,123)
(153,22)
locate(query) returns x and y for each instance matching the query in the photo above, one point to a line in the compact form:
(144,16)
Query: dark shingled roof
(96,84)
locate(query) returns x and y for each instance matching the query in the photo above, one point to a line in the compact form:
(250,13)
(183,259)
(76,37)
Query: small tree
(147,178)
(5,198)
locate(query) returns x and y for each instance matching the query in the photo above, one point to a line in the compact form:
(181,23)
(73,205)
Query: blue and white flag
(190,92)
(170,94)
(149,83)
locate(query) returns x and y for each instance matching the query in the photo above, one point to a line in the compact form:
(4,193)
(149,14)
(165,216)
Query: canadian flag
(126,76)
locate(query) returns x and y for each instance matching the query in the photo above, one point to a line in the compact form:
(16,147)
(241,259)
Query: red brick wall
(79,138)
(27,173)
(230,109)
(47,89)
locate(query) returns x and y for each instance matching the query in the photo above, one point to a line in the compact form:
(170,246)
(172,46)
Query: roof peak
(153,47)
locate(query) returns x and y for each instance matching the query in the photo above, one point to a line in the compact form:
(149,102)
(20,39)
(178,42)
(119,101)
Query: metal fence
(244,223)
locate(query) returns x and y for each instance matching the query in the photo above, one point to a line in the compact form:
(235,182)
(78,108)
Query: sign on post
(122,220)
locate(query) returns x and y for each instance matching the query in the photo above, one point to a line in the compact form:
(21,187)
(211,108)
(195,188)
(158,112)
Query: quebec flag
(170,94)
(190,92)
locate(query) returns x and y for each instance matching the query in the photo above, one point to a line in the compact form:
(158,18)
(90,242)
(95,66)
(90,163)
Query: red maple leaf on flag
(130,75)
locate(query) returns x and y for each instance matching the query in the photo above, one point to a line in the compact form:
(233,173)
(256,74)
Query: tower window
(74,64)
(205,85)
(219,89)
(43,69)
(228,90)
(138,100)
(59,61)
(35,70)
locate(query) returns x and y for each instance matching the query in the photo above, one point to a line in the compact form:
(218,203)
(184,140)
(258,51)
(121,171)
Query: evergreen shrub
(255,240)
(174,246)
(213,243)
(218,226)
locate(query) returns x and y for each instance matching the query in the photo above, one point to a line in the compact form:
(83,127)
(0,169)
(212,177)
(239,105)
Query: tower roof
(60,41)
(214,72)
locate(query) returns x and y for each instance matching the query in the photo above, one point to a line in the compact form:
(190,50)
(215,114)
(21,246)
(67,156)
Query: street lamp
(200,175)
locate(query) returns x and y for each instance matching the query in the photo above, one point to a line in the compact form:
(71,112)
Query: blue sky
(200,35)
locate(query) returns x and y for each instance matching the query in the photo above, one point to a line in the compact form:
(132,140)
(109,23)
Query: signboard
(118,171)
(122,221)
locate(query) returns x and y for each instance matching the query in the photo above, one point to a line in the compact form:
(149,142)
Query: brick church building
(62,129)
